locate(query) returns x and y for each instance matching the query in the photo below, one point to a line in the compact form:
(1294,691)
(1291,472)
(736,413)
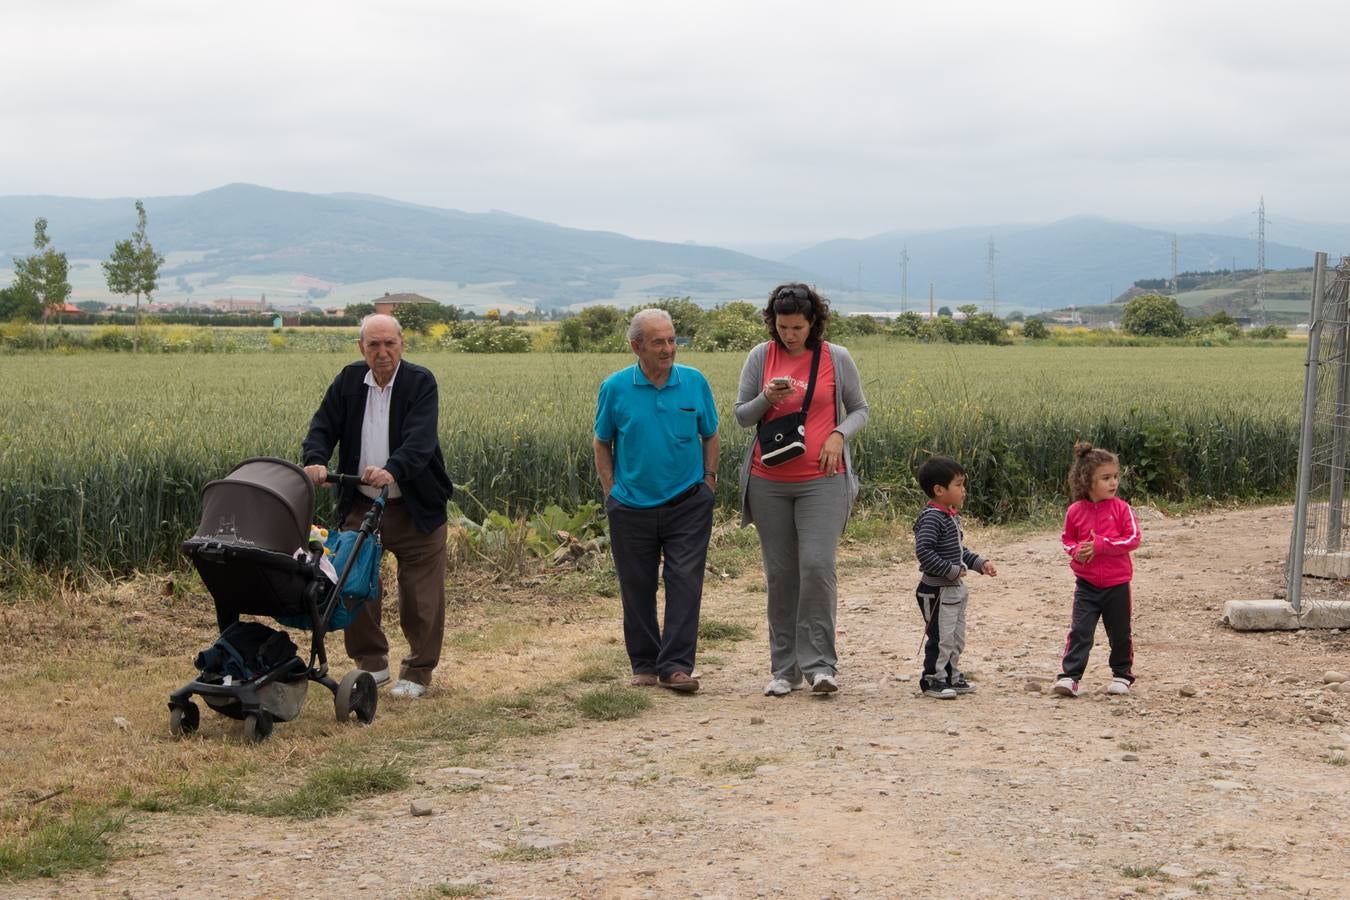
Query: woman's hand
(832,452)
(777,392)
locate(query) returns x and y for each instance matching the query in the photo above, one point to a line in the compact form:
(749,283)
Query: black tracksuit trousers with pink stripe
(1112,606)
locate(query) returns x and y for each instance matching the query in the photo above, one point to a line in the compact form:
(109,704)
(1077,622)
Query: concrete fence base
(1277,615)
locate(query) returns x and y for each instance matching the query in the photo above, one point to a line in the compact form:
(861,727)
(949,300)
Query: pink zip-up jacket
(1109,525)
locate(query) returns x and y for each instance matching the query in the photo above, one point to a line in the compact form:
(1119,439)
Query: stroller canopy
(264,502)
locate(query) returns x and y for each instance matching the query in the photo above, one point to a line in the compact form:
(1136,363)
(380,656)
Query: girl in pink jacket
(1099,532)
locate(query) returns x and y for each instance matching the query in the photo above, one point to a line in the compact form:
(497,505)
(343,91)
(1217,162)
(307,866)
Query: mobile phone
(781,381)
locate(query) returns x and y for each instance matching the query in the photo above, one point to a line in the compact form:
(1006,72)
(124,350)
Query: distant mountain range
(1080,260)
(241,239)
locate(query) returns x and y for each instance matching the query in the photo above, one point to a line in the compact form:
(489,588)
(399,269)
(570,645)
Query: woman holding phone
(804,398)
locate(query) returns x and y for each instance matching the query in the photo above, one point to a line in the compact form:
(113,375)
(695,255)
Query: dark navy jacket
(415,458)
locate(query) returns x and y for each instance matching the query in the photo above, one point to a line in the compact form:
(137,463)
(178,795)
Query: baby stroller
(254,552)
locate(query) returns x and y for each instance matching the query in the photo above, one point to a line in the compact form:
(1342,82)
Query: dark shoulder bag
(784,438)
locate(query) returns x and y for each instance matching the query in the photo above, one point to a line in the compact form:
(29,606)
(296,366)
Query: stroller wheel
(356,694)
(257,726)
(183,720)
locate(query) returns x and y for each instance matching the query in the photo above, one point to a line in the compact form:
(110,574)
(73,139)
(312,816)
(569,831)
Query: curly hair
(795,297)
(1087,459)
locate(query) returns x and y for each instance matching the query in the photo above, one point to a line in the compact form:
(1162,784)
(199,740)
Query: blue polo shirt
(657,433)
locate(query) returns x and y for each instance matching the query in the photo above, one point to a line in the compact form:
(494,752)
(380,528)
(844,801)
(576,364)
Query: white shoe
(406,688)
(823,684)
(779,687)
(381,677)
(1118,686)
(1065,687)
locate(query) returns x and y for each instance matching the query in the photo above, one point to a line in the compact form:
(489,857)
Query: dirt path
(878,791)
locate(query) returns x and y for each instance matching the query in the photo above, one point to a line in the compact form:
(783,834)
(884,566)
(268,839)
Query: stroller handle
(353,481)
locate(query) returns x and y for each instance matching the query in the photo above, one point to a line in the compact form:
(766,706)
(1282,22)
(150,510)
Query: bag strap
(811,383)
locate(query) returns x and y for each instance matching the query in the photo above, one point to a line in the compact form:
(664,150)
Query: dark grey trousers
(642,540)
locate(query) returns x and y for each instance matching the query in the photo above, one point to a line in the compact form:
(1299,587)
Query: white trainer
(406,688)
(823,684)
(1118,686)
(1065,687)
(779,687)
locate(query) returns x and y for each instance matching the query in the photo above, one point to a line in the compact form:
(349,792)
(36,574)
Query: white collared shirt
(375,431)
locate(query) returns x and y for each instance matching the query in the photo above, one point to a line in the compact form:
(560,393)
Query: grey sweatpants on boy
(944,611)
(799,526)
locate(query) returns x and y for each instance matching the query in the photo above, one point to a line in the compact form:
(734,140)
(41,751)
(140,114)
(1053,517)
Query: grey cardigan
(751,405)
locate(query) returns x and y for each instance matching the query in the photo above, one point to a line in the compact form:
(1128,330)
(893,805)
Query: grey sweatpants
(944,610)
(799,526)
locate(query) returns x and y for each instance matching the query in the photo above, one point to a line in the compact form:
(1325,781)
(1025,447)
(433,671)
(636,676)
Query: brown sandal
(643,679)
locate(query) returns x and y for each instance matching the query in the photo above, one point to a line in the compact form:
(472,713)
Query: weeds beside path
(873,792)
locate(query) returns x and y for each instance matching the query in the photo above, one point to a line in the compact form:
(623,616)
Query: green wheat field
(103,456)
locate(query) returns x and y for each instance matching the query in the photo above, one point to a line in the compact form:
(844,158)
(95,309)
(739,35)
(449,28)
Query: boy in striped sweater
(943,561)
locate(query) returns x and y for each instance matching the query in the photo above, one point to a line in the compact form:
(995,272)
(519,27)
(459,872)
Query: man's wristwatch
(712,475)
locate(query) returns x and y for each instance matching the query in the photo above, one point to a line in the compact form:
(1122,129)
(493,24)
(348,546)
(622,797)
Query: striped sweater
(938,546)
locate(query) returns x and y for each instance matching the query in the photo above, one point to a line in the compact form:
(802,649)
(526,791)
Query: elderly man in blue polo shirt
(656,452)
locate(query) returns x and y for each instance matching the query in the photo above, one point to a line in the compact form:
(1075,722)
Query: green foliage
(412,316)
(983,328)
(908,324)
(1270,333)
(613,702)
(843,327)
(358,310)
(596,328)
(45,274)
(1035,330)
(1154,315)
(686,315)
(54,848)
(330,789)
(486,337)
(732,326)
(19,304)
(945,312)
(718,630)
(133,268)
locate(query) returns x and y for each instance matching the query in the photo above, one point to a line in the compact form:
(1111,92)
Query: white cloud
(715,121)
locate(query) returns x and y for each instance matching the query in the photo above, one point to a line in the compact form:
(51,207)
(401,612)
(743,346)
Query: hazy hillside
(1081,260)
(220,236)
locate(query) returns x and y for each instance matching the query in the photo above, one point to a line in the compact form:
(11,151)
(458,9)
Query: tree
(686,315)
(968,309)
(945,312)
(133,268)
(44,275)
(908,324)
(1153,315)
(412,316)
(1035,330)
(18,304)
(358,310)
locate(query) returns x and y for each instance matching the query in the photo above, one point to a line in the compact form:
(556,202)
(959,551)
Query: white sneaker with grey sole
(406,688)
(779,687)
(823,684)
(1118,686)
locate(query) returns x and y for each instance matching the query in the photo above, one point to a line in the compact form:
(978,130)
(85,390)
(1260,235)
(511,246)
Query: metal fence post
(1299,534)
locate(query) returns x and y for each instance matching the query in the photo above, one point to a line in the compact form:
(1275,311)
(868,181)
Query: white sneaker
(779,687)
(381,677)
(1118,686)
(823,684)
(1065,687)
(406,688)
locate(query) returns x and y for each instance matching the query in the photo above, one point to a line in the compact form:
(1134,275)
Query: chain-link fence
(1319,546)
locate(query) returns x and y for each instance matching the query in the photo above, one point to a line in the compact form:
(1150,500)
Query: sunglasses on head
(791,293)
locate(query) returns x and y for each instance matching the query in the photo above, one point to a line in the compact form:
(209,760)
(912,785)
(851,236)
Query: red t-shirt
(820,419)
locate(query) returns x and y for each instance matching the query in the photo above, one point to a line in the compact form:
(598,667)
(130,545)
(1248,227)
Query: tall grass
(102,458)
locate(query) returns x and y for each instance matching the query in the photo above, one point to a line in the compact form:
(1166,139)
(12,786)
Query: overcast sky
(722,122)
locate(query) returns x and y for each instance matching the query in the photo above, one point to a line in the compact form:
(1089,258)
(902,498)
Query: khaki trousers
(421,596)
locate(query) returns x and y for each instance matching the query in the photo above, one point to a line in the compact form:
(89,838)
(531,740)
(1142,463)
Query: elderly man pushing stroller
(381,415)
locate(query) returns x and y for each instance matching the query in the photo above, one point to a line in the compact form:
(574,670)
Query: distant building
(385,305)
(233,305)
